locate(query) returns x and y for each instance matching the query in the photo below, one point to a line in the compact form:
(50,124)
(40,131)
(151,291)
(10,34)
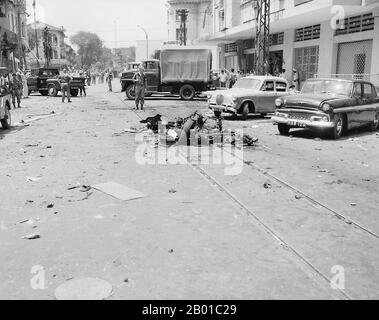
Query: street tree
(90,47)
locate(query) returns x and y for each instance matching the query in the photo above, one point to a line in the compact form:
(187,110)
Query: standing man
(223,79)
(109,80)
(65,80)
(296,79)
(233,78)
(16,90)
(83,88)
(140,81)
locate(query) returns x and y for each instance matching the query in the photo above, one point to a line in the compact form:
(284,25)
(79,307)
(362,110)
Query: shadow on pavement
(4,133)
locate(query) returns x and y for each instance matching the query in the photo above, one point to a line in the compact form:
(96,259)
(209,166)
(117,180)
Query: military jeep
(46,82)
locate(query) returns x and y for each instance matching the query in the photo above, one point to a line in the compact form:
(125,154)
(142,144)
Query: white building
(315,36)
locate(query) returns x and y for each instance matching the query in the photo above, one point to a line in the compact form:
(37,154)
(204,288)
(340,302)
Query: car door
(33,81)
(369,99)
(355,117)
(152,75)
(267,97)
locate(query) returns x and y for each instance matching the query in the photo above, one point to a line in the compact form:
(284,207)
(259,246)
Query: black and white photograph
(189,150)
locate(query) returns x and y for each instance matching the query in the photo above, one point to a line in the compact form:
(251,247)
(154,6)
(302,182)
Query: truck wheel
(245,111)
(187,92)
(131,92)
(7,121)
(74,92)
(375,123)
(284,130)
(339,126)
(44,92)
(53,92)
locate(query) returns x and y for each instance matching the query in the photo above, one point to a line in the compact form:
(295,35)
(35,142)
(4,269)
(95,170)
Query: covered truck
(183,71)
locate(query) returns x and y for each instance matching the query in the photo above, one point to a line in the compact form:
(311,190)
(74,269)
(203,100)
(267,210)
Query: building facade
(58,46)
(316,37)
(13,35)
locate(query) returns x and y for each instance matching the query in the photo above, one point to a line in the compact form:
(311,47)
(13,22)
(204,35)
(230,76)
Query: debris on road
(172,190)
(119,191)
(298,197)
(353,204)
(84,289)
(33,179)
(267,185)
(32,236)
(50,206)
(30,145)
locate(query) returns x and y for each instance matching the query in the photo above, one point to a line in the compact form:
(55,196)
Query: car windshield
(246,83)
(327,86)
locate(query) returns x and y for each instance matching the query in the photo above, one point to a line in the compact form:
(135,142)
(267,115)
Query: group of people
(16,84)
(227,79)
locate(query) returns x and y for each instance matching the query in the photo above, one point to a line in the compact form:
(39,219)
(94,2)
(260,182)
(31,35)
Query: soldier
(16,90)
(65,80)
(140,81)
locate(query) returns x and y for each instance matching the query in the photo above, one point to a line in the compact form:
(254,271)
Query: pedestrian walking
(83,88)
(296,79)
(25,89)
(109,80)
(65,80)
(232,78)
(140,82)
(223,79)
(16,90)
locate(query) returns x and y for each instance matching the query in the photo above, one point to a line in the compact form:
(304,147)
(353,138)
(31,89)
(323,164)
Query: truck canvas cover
(182,65)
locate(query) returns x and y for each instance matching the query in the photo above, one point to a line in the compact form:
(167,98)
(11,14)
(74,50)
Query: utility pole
(262,39)
(35,31)
(47,46)
(183,26)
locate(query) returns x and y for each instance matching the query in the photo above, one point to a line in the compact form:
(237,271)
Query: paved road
(219,236)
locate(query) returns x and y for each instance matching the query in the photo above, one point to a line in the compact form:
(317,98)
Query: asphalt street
(297,209)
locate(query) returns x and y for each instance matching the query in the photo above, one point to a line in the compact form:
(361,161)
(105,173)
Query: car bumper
(296,123)
(222,108)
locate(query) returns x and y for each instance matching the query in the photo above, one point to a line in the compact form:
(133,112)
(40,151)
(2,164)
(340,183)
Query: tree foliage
(90,47)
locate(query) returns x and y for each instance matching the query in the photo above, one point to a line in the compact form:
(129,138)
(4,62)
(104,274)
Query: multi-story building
(58,45)
(199,19)
(13,35)
(325,37)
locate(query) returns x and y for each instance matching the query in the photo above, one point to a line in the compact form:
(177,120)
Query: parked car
(250,95)
(330,105)
(5,99)
(46,82)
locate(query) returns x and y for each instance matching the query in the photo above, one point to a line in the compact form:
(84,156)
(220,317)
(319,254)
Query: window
(276,39)
(356,24)
(358,90)
(308,33)
(150,65)
(281,87)
(268,86)
(306,62)
(368,91)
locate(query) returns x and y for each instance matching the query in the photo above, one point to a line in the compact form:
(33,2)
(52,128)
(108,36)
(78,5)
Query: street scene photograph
(189,150)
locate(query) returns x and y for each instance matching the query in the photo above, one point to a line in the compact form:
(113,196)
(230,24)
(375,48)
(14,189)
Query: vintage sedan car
(250,95)
(5,99)
(330,105)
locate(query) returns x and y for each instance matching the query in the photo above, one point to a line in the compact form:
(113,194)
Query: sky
(104,17)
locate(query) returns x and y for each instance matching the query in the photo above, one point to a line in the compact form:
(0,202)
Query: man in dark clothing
(16,90)
(83,89)
(140,82)
(65,80)
(109,80)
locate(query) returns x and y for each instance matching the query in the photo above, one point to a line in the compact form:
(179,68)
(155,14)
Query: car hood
(306,101)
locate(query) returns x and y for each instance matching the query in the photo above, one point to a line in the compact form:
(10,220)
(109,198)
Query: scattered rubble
(32,236)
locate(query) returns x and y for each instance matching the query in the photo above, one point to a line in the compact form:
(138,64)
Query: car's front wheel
(131,92)
(53,92)
(245,111)
(339,126)
(284,130)
(7,121)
